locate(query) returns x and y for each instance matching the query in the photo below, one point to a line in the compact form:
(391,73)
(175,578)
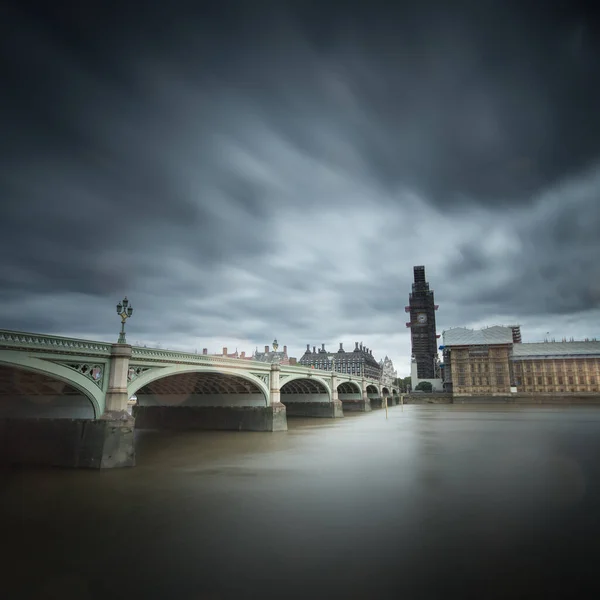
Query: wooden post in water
(386,402)
(402,401)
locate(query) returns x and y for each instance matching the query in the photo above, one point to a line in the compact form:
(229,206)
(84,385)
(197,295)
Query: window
(549,380)
(592,380)
(571,382)
(500,379)
(539,380)
(461,380)
(560,381)
(529,381)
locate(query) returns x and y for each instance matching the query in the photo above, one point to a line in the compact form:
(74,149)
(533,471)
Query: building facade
(273,356)
(359,361)
(557,367)
(388,373)
(493,361)
(269,356)
(477,362)
(422,309)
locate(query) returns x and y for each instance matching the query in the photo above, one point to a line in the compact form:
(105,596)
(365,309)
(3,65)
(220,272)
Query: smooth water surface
(472,501)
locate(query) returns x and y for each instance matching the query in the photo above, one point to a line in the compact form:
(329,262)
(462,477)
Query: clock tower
(422,326)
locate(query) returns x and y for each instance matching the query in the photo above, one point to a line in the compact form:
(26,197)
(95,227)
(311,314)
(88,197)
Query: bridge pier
(246,412)
(376,402)
(319,404)
(104,443)
(116,395)
(207,418)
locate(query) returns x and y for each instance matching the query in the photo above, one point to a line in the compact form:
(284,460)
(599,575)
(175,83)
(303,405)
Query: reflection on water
(487,502)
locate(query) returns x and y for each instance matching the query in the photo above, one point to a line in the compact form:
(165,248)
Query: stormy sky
(250,170)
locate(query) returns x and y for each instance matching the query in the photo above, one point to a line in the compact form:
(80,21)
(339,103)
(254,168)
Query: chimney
(308,347)
(341,347)
(243,355)
(314,349)
(224,351)
(516,333)
(356,345)
(323,347)
(266,349)
(204,351)
(361,346)
(285,350)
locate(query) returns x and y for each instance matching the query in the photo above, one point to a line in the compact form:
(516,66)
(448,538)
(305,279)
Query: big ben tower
(422,326)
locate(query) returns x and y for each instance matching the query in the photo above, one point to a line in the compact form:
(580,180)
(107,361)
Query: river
(471,501)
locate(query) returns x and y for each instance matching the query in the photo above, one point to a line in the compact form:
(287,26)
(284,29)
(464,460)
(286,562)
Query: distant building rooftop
(556,349)
(460,336)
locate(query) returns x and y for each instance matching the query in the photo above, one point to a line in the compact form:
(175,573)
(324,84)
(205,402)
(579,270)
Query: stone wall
(549,399)
(83,443)
(240,418)
(237,400)
(426,398)
(305,398)
(331,410)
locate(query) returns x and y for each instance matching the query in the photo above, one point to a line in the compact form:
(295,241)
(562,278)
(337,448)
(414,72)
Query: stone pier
(103,443)
(232,418)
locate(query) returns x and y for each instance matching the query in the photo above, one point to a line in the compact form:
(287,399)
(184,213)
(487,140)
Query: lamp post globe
(124,311)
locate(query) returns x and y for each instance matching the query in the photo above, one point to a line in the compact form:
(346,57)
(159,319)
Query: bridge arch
(349,387)
(302,384)
(160,373)
(20,361)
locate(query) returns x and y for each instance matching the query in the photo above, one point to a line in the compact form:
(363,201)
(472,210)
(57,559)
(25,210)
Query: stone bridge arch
(159,373)
(350,395)
(374,395)
(89,389)
(307,395)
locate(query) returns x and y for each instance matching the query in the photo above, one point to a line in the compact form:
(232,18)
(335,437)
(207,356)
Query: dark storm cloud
(547,263)
(246,169)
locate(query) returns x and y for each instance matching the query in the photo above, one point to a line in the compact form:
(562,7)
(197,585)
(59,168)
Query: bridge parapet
(139,354)
(52,343)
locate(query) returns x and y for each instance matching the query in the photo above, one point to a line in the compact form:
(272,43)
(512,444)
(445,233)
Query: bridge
(64,401)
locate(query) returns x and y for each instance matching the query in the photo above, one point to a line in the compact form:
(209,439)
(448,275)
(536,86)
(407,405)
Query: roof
(270,357)
(460,336)
(558,349)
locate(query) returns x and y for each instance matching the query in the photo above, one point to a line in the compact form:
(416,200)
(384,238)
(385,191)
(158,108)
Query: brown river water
(436,501)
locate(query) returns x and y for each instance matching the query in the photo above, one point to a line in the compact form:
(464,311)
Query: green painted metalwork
(22,360)
(17,339)
(177,369)
(85,364)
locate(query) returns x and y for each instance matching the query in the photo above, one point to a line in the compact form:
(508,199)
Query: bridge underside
(206,401)
(309,398)
(45,421)
(351,397)
(27,394)
(374,396)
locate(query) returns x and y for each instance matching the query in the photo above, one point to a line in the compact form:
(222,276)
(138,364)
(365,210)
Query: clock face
(421,318)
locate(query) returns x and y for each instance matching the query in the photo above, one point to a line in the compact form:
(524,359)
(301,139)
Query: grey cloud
(229,169)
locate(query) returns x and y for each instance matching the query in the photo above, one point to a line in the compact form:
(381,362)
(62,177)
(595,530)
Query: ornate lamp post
(124,311)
